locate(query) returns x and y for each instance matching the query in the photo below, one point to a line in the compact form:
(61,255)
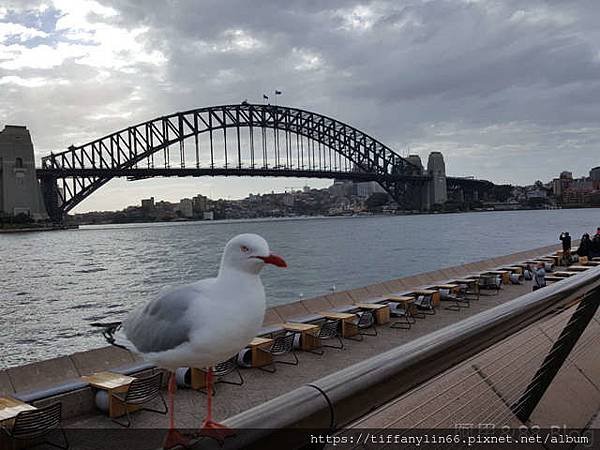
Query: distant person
(597,231)
(528,273)
(565,237)
(539,276)
(595,247)
(585,246)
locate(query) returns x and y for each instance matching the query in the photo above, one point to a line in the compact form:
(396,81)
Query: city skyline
(506,90)
(565,189)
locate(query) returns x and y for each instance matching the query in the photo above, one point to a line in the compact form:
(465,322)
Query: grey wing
(163,323)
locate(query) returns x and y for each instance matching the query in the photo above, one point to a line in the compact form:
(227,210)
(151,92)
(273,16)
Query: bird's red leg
(209,427)
(174,437)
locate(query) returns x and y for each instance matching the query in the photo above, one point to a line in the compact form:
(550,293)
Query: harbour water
(52,285)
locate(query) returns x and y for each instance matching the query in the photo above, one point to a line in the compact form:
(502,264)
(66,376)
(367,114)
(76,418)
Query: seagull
(201,324)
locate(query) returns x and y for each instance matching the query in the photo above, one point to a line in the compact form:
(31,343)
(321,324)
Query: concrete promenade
(478,389)
(260,386)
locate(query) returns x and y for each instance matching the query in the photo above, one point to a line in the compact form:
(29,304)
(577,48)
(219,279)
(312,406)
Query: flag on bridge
(277,92)
(265,96)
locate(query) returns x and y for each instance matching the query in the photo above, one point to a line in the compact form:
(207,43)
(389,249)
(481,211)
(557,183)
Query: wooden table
(408,301)
(555,259)
(577,268)
(472,285)
(349,327)
(505,274)
(435,295)
(113,383)
(514,269)
(259,358)
(553,278)
(451,287)
(564,274)
(308,333)
(593,263)
(380,310)
(10,407)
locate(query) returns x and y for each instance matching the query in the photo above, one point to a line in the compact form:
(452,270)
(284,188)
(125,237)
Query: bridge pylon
(52,199)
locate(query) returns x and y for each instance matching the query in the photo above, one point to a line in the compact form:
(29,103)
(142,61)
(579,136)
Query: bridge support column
(51,199)
(436,168)
(19,187)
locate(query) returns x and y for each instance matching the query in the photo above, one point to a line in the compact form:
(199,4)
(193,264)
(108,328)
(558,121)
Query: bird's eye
(244,249)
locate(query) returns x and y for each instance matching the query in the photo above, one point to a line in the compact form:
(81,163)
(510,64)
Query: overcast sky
(508,90)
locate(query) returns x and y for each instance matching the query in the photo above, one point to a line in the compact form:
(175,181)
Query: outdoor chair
(142,391)
(467,291)
(516,278)
(490,282)
(330,330)
(281,345)
(37,424)
(364,323)
(459,301)
(222,370)
(405,318)
(424,304)
(548,266)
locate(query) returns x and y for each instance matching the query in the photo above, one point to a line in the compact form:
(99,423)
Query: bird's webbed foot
(215,430)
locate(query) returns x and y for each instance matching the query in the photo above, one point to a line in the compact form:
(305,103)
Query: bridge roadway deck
(260,386)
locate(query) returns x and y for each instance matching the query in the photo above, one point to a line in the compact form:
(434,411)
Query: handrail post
(528,401)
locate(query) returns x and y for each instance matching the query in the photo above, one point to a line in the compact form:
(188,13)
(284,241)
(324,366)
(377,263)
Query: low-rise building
(186,208)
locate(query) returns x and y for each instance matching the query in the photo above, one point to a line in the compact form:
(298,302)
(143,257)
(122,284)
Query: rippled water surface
(53,284)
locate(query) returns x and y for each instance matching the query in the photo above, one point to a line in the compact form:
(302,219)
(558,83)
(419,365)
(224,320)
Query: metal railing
(342,397)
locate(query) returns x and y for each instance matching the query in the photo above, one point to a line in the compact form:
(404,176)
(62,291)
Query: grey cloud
(498,85)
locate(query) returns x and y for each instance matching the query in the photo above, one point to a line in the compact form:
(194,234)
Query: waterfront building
(366,189)
(595,177)
(562,183)
(186,208)
(341,189)
(148,205)
(199,204)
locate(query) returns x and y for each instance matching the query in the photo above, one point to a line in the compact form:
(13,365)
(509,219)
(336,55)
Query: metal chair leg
(358,337)
(125,425)
(291,363)
(265,368)
(164,411)
(52,444)
(400,325)
(366,333)
(236,383)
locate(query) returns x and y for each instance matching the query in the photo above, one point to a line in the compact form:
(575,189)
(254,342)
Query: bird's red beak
(273,259)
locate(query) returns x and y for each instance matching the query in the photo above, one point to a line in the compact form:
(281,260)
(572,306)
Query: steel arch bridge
(228,140)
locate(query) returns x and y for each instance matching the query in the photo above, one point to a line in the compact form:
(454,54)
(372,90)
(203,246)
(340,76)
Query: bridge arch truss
(242,139)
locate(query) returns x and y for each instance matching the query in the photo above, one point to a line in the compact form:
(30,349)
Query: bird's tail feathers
(109,330)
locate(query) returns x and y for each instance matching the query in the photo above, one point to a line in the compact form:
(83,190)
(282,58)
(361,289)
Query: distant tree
(502,192)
